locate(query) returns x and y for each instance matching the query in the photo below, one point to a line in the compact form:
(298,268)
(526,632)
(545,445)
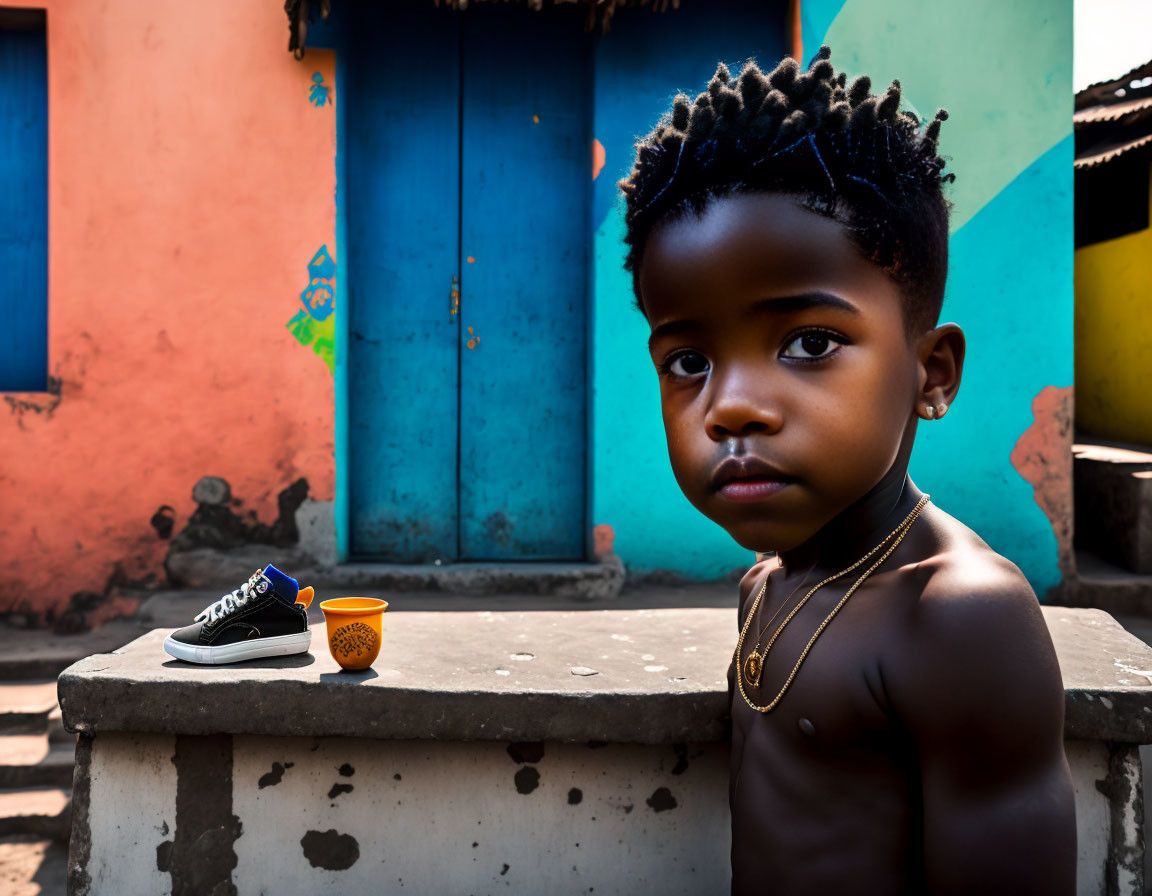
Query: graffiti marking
(319,94)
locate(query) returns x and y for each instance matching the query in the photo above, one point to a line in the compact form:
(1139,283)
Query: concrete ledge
(643,676)
(590,581)
(1107,676)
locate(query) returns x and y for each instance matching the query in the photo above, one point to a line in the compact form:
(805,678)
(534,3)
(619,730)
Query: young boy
(897,707)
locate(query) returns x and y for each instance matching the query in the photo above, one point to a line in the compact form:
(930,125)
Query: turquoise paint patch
(319,296)
(639,67)
(315,325)
(816,18)
(1010,288)
(635,492)
(1002,70)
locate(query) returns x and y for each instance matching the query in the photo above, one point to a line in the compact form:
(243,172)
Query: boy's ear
(941,355)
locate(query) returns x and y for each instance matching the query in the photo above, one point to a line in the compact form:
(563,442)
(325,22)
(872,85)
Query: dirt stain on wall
(275,776)
(662,800)
(527,779)
(330,849)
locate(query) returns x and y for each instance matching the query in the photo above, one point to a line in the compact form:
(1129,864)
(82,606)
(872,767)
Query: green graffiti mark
(315,324)
(320,334)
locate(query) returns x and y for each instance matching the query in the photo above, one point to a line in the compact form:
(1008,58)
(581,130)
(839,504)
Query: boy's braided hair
(840,150)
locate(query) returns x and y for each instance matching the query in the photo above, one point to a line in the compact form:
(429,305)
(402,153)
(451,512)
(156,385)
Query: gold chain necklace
(754,664)
(763,631)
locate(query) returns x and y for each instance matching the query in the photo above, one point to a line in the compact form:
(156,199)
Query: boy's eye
(812,346)
(687,364)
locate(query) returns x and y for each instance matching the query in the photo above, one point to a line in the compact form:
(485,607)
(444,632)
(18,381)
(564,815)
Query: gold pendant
(752,668)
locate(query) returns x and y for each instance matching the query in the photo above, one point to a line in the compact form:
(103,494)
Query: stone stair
(36,761)
(1113,528)
(37,754)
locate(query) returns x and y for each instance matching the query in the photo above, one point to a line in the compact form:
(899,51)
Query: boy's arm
(980,691)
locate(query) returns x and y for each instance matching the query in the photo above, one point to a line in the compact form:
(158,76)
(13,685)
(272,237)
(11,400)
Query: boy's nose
(742,408)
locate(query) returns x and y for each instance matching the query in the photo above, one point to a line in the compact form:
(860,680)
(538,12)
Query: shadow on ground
(32,867)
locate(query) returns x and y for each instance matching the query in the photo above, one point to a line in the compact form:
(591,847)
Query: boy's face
(787,381)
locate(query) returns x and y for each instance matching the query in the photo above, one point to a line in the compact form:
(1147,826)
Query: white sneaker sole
(283,645)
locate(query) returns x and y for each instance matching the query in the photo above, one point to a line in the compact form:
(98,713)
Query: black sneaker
(266,616)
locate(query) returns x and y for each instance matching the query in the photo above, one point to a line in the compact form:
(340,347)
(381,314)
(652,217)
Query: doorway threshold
(591,580)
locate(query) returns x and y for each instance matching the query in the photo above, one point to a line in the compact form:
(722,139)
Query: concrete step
(39,811)
(226,569)
(26,705)
(57,733)
(34,654)
(32,760)
(1113,500)
(33,866)
(1106,586)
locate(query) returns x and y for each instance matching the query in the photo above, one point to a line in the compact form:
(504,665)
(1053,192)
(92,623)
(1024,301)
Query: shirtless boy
(897,729)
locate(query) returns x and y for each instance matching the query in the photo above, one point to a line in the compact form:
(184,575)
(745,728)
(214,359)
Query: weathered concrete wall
(191,182)
(384,779)
(1108,780)
(472,818)
(132,783)
(185,814)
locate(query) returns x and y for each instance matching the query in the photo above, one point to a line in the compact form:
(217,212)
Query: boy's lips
(748,479)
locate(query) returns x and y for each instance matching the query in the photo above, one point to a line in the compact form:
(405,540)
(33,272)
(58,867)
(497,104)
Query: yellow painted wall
(1114,338)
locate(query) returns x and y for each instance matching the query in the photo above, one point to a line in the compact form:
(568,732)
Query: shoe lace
(229,603)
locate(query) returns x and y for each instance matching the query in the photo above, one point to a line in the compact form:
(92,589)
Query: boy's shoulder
(964,584)
(972,659)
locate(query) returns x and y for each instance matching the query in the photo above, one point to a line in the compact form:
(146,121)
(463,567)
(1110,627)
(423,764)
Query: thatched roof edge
(302,12)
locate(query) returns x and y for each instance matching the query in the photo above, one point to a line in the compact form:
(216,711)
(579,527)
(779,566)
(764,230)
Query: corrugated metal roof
(1100,157)
(1104,92)
(1112,112)
(1114,118)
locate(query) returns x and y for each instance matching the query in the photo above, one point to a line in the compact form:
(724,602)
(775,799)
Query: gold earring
(941,410)
(930,412)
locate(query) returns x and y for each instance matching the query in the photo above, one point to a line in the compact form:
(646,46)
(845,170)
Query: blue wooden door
(24,202)
(401,140)
(467,141)
(526,179)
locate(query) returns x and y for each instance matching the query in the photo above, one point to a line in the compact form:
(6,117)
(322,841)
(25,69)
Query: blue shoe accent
(285,586)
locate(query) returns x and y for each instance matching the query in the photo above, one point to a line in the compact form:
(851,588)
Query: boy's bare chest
(829,771)
(827,683)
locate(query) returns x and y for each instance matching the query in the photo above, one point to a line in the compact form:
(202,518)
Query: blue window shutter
(23,202)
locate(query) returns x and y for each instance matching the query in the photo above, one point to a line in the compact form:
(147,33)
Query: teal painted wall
(639,67)
(1004,72)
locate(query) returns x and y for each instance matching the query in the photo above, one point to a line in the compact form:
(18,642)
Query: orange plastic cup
(354,630)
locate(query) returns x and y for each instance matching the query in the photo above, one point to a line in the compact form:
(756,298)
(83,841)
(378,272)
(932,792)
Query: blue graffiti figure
(319,93)
(319,296)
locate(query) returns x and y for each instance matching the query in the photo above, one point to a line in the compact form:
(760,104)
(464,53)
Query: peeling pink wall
(1043,456)
(190,183)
